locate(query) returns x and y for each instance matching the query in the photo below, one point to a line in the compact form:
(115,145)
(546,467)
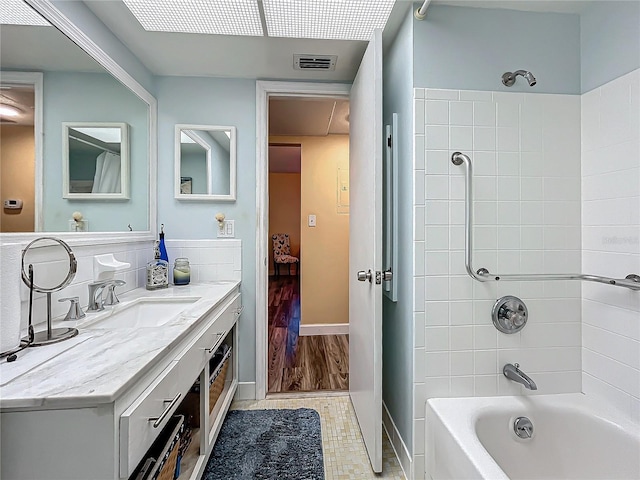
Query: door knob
(387,275)
(362,276)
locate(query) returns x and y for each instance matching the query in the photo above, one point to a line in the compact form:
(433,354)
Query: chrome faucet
(96,289)
(112,298)
(513,372)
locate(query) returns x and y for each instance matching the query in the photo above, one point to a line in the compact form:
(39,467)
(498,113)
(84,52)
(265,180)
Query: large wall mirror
(95,161)
(51,85)
(205,163)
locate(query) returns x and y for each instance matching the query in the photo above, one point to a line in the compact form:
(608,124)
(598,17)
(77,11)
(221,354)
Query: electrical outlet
(228,229)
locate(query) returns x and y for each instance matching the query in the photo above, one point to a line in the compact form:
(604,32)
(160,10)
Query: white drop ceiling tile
(16,12)
(326,19)
(300,117)
(216,17)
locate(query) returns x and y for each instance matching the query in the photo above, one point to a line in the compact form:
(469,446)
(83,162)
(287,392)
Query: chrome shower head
(509,78)
(530,78)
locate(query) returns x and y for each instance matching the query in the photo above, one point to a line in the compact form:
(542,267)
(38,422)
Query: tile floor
(345,457)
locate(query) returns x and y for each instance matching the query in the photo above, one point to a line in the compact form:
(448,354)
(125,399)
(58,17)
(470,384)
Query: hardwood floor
(301,364)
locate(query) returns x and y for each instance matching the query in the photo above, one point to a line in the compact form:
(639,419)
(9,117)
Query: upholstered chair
(282,254)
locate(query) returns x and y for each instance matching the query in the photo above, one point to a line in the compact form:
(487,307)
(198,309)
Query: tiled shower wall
(611,241)
(525,149)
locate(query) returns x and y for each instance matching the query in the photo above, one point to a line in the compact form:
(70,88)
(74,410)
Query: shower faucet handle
(75,310)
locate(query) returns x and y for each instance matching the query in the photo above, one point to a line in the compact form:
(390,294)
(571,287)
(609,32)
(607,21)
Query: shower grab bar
(631,281)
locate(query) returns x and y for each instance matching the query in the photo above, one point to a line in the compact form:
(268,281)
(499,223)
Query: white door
(365,248)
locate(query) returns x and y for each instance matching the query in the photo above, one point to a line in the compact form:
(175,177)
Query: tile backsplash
(134,253)
(210,260)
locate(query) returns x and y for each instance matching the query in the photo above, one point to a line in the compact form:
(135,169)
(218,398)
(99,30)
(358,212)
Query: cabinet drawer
(141,423)
(229,316)
(193,358)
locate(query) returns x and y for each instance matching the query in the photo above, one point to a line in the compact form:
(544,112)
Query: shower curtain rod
(631,281)
(421,12)
(94,145)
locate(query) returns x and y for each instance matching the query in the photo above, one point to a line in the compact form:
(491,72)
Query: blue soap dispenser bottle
(162,247)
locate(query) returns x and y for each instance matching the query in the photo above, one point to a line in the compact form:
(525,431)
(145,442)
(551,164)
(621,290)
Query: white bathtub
(573,438)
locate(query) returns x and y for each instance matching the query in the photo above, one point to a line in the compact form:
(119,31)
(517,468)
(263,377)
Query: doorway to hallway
(308,245)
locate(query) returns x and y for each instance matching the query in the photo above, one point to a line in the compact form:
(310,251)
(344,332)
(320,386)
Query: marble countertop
(100,364)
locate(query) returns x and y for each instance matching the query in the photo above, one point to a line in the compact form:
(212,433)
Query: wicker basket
(217,380)
(191,406)
(165,467)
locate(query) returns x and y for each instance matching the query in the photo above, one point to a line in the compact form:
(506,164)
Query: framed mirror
(59,81)
(95,161)
(205,162)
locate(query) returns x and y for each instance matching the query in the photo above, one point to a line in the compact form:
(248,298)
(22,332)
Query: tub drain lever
(523,427)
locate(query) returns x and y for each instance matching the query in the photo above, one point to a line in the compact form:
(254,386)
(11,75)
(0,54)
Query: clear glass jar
(181,272)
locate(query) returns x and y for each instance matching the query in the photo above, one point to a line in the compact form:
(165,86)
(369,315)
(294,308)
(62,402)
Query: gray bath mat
(268,444)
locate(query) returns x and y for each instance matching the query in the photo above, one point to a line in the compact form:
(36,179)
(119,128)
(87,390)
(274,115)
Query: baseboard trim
(397,443)
(246,391)
(324,329)
(314,394)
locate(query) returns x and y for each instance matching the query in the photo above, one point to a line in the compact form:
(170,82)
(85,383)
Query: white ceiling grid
(219,17)
(326,19)
(16,12)
(315,19)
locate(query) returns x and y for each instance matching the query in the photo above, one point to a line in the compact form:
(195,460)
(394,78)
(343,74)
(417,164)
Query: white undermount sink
(144,312)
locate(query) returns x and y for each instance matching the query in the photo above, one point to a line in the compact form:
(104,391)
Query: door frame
(264,90)
(35,80)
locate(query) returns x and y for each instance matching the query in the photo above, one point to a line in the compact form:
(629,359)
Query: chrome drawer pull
(160,419)
(215,345)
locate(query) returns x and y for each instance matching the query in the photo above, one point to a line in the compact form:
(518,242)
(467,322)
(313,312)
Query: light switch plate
(228,229)
(312,220)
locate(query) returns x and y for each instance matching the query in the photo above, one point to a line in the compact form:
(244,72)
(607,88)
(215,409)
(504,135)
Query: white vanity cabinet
(109,440)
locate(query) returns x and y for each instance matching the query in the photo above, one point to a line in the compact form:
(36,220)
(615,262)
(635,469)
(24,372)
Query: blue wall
(213,101)
(194,165)
(93,97)
(610,41)
(397,324)
(470,48)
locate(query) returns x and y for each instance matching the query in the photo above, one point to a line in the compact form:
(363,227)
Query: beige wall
(284,211)
(17,176)
(324,255)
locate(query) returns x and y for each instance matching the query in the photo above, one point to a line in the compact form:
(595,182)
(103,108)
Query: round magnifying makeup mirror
(53,267)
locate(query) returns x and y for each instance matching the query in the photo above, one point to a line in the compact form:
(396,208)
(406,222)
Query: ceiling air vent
(315,62)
